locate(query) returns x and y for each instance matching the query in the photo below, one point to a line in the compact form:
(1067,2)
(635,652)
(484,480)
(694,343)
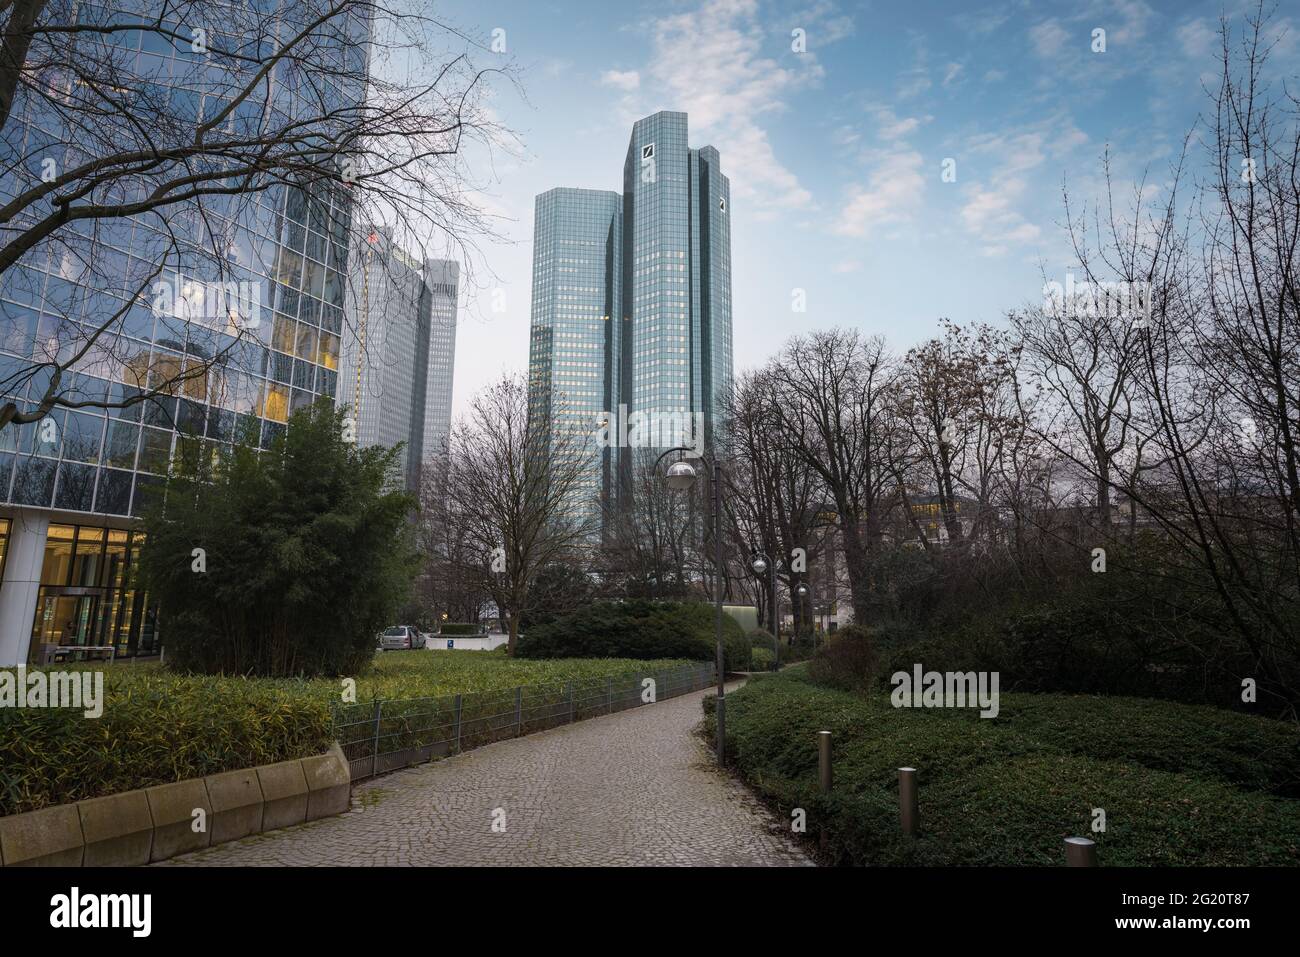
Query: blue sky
(836,155)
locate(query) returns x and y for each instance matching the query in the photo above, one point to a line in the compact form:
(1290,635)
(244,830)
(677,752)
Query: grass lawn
(159,727)
(1179,784)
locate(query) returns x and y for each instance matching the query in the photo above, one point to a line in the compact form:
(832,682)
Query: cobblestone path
(633,788)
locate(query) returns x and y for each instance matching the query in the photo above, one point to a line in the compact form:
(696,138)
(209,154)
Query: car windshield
(396,631)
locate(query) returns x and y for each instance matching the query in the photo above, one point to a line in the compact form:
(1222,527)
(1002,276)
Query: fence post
(1080,852)
(374,755)
(609,693)
(908,806)
(519,711)
(456,722)
(824,759)
(569,684)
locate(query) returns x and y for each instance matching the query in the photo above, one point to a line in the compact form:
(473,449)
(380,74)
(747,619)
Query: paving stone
(633,788)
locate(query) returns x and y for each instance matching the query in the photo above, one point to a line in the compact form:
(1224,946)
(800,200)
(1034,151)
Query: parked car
(400,638)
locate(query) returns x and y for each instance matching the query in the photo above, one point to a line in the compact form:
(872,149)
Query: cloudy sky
(837,154)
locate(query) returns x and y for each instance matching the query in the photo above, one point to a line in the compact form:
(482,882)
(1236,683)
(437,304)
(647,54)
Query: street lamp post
(761,564)
(680,477)
(802,591)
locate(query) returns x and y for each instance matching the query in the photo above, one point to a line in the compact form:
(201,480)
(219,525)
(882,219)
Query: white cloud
(709,63)
(845,136)
(625,80)
(891,127)
(951,74)
(992,209)
(892,194)
(824,23)
(1047,38)
(990,214)
(1136,14)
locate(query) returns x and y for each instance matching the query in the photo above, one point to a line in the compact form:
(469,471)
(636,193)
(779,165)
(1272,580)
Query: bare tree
(956,401)
(778,500)
(832,404)
(1221,372)
(652,537)
(520,492)
(453,581)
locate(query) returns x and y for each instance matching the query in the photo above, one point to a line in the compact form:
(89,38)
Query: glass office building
(442,280)
(631,305)
(71,483)
(574,369)
(398,355)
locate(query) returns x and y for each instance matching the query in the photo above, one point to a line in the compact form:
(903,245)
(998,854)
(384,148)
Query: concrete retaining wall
(153,824)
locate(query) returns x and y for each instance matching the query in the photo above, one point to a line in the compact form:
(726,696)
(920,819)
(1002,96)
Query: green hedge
(158,727)
(637,629)
(1180,785)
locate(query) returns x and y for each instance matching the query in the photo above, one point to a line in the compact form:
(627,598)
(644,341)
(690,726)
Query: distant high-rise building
(631,305)
(442,279)
(396,363)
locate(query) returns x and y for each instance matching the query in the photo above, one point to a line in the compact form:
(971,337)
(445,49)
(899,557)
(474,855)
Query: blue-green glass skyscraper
(631,301)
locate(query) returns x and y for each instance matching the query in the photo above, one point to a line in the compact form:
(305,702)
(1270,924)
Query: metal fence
(385,735)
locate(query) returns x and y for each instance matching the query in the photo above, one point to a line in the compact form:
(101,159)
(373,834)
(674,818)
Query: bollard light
(824,759)
(909,809)
(1080,852)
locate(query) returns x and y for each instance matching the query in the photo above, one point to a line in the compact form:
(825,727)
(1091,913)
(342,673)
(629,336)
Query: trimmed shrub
(847,660)
(1006,791)
(637,629)
(798,647)
(158,727)
(455,628)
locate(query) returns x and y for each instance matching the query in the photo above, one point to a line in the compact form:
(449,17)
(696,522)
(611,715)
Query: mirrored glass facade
(399,352)
(281,253)
(631,300)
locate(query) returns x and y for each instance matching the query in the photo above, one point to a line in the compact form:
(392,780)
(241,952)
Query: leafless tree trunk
(830,399)
(519,492)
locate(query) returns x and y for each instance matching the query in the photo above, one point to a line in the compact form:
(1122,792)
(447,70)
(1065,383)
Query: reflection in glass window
(81,440)
(114,494)
(155,450)
(58,554)
(276,404)
(76,487)
(33,481)
(122,441)
(328,353)
(87,559)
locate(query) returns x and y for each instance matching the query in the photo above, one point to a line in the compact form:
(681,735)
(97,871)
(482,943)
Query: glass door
(65,620)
